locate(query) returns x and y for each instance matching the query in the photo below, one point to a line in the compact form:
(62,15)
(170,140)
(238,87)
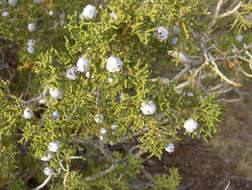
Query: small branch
(222,91)
(139,153)
(65,177)
(230,100)
(244,72)
(97,98)
(182,58)
(28,85)
(132,149)
(44,183)
(100,174)
(230,11)
(60,163)
(216,69)
(226,188)
(197,71)
(182,73)
(217,87)
(216,14)
(120,177)
(96,146)
(77,157)
(36,98)
(147,174)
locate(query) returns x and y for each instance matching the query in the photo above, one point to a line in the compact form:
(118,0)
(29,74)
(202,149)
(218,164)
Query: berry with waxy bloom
(103,131)
(54,146)
(110,80)
(31,27)
(111,142)
(55,115)
(5,14)
(28,113)
(162,33)
(113,15)
(83,64)
(71,73)
(99,118)
(88,74)
(101,138)
(114,64)
(174,41)
(176,30)
(48,171)
(170,147)
(51,12)
(114,127)
(239,38)
(31,42)
(148,107)
(42,101)
(89,12)
(56,93)
(37,1)
(13,2)
(81,16)
(46,157)
(31,49)
(190,125)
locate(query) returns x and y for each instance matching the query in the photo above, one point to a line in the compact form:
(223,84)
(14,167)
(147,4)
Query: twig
(230,11)
(182,73)
(36,98)
(60,163)
(77,157)
(147,174)
(132,149)
(197,71)
(222,91)
(44,183)
(216,14)
(65,177)
(216,69)
(100,174)
(28,86)
(96,146)
(245,73)
(182,58)
(230,100)
(217,87)
(226,188)
(97,98)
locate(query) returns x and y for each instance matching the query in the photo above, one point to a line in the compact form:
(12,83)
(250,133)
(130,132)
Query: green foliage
(60,42)
(167,182)
(242,20)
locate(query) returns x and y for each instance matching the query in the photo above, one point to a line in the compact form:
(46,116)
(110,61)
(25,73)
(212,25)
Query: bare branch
(100,174)
(96,146)
(44,183)
(182,73)
(182,58)
(245,73)
(228,13)
(60,163)
(227,187)
(216,69)
(216,14)
(66,175)
(230,100)
(77,157)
